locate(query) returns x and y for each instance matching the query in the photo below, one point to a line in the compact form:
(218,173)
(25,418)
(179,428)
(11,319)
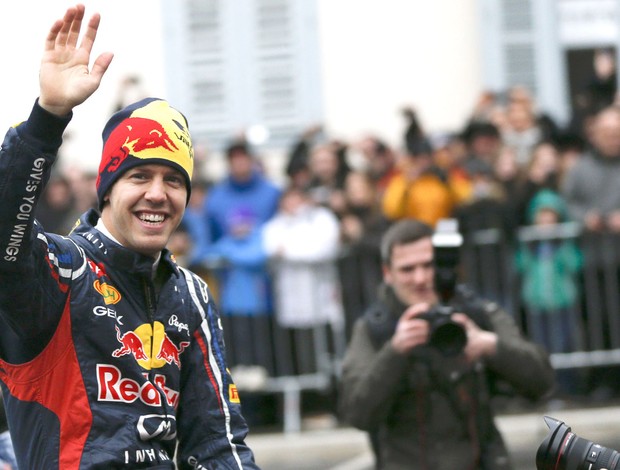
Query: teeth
(152,217)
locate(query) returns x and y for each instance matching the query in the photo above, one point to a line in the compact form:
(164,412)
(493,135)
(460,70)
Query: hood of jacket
(547,199)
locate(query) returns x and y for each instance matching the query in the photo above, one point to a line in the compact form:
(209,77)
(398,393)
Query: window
(244,63)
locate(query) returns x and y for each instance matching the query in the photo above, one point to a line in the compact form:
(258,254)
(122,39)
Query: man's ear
(387,275)
(105,201)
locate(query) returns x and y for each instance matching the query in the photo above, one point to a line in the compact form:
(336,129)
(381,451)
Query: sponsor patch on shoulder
(233,394)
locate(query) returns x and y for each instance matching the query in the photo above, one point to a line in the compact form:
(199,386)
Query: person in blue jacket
(111,355)
(235,210)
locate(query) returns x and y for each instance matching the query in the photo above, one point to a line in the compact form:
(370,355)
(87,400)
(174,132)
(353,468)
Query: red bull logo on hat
(150,131)
(140,137)
(150,346)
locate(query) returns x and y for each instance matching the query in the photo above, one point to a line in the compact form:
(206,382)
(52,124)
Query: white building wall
(377,55)
(130,29)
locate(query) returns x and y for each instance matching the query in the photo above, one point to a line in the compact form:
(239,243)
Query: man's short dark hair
(238,147)
(400,233)
(479,129)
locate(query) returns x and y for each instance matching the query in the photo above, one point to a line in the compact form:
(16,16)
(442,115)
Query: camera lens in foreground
(564,450)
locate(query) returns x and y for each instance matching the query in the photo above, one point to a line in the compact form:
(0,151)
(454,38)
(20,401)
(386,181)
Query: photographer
(424,408)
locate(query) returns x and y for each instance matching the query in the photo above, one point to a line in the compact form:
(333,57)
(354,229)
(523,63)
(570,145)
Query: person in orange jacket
(420,190)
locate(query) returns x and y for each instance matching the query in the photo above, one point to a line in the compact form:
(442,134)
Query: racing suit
(107,359)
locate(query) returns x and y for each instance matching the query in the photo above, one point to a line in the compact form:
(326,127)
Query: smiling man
(145,175)
(111,355)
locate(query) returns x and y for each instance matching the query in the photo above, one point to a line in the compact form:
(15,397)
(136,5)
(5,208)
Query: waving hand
(65,79)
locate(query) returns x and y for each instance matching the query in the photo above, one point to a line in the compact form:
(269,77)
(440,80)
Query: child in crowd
(549,266)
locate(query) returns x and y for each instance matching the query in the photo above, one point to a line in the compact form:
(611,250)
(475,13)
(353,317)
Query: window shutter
(245,63)
(518,48)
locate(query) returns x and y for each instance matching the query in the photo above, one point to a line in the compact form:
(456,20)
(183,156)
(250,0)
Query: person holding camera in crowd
(112,356)
(422,366)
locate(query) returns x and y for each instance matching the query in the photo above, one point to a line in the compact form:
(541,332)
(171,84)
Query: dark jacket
(430,411)
(103,365)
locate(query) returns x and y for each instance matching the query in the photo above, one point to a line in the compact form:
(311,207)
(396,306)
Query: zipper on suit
(151,303)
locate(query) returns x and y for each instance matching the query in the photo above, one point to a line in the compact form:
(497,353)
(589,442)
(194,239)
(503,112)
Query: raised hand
(65,80)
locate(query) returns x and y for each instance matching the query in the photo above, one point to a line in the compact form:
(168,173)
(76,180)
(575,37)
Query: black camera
(445,334)
(564,450)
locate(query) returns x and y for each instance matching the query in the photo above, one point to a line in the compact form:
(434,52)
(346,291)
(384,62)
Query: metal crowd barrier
(489,267)
(266,357)
(292,360)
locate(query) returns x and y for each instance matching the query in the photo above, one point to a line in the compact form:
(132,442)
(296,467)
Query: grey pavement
(333,447)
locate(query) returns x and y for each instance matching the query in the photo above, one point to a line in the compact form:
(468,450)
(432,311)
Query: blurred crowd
(306,251)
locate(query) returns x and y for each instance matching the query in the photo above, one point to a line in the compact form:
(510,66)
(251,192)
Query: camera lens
(564,450)
(448,336)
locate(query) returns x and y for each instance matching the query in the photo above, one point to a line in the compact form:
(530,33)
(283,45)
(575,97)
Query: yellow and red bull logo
(150,346)
(153,131)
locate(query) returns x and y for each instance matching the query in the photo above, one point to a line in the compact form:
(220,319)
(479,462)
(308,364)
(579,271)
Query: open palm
(65,79)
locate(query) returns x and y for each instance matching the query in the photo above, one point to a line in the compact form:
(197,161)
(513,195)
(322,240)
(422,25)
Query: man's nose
(420,275)
(156,190)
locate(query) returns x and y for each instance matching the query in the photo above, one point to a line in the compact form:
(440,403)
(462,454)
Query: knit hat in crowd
(149,131)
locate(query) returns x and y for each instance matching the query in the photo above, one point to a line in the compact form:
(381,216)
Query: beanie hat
(149,131)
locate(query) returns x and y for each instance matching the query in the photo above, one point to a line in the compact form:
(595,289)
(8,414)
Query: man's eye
(176,180)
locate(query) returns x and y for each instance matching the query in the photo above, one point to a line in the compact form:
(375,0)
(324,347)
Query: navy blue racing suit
(104,365)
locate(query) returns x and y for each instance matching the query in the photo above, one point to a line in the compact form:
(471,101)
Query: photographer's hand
(480,343)
(410,330)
